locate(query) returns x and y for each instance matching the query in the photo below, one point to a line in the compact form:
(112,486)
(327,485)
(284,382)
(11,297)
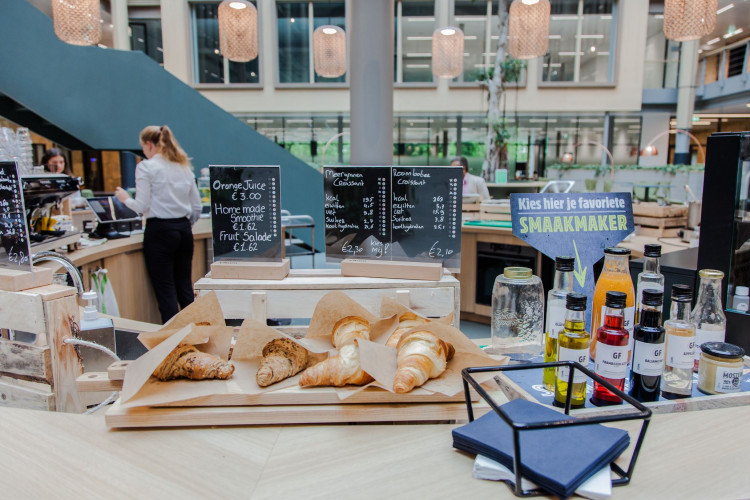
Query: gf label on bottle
(580,355)
(555,321)
(648,359)
(680,351)
(611,360)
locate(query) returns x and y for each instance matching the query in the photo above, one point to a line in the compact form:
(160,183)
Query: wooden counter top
(687,455)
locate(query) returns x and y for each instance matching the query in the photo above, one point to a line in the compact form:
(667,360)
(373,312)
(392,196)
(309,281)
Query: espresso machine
(43,194)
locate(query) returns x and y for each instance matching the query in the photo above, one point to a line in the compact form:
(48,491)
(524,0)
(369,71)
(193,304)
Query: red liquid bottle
(611,350)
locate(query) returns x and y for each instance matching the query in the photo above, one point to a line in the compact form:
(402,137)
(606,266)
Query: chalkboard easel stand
(431,271)
(15,280)
(250,270)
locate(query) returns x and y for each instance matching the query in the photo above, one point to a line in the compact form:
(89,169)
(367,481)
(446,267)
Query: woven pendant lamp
(77,22)
(528,28)
(238,30)
(447,52)
(686,20)
(329,51)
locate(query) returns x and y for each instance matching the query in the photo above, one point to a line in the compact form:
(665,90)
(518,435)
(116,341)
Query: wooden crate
(497,210)
(651,209)
(658,232)
(39,373)
(297,295)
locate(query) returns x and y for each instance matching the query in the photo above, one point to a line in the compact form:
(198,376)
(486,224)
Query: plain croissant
(421,356)
(406,322)
(339,370)
(186,361)
(343,368)
(282,359)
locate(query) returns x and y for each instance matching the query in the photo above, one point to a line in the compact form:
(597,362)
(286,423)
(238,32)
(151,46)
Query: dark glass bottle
(611,350)
(648,348)
(572,345)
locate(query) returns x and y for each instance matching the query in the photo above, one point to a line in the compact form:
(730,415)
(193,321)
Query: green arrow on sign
(580,274)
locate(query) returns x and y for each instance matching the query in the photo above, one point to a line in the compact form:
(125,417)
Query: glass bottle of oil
(555,318)
(572,345)
(677,378)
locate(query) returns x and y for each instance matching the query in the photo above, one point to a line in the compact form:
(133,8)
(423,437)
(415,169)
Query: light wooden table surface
(45,455)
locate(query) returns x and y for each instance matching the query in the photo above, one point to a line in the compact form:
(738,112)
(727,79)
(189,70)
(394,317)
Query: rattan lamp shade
(329,51)
(686,20)
(447,52)
(77,22)
(238,30)
(528,28)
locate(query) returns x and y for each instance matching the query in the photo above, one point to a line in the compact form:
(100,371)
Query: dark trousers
(168,249)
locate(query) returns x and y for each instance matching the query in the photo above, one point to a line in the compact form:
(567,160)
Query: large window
(581,42)
(479,22)
(296,22)
(145,32)
(662,60)
(415,22)
(210,65)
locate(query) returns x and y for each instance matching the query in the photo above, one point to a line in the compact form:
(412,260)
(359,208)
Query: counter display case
(725,225)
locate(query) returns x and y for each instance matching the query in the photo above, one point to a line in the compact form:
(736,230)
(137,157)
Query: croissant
(406,322)
(421,356)
(349,328)
(282,359)
(339,370)
(185,361)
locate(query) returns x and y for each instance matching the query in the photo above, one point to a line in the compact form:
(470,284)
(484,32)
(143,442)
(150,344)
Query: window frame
(398,50)
(225,62)
(311,28)
(614,45)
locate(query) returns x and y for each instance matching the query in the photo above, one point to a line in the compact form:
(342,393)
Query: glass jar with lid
(721,368)
(517,314)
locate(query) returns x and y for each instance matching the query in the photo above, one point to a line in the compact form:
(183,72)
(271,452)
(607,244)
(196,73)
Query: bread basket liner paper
(204,311)
(141,389)
(381,361)
(389,307)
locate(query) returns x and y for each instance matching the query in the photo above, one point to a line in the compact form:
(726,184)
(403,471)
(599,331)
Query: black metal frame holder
(640,412)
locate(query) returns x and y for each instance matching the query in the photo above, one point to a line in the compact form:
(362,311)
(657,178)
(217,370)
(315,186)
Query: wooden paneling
(135,295)
(62,318)
(18,358)
(111,170)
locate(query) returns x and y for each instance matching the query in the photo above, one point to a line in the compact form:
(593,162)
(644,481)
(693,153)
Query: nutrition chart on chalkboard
(14,235)
(394,213)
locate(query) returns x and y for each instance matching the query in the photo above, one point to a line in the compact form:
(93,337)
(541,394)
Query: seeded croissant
(421,356)
(282,359)
(406,322)
(343,368)
(186,361)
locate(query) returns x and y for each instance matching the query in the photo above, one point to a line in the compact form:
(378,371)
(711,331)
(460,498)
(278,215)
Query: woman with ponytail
(165,192)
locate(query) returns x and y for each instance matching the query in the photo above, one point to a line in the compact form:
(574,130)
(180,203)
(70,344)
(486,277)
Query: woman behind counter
(165,192)
(54,162)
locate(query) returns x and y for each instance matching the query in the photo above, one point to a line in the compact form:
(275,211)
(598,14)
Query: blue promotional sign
(580,225)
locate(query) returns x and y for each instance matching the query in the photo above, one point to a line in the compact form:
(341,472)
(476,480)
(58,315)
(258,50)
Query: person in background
(166,193)
(54,162)
(473,184)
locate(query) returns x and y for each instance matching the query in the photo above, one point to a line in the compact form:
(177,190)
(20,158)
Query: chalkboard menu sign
(14,235)
(394,213)
(246,213)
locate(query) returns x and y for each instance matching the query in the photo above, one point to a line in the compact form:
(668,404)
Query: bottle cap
(653,297)
(710,273)
(682,293)
(204,171)
(517,273)
(575,301)
(617,251)
(616,300)
(742,291)
(722,350)
(564,263)
(652,250)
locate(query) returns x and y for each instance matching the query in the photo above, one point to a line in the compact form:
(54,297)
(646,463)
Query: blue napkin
(558,459)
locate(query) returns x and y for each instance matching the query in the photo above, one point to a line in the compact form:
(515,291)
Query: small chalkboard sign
(15,251)
(394,213)
(246,213)
(357,212)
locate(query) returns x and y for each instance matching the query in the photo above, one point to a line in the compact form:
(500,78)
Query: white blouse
(165,190)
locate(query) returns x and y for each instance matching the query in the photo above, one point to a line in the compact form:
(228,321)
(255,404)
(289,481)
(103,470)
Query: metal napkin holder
(640,412)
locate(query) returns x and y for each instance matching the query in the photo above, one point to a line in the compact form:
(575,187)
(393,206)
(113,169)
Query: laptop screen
(108,208)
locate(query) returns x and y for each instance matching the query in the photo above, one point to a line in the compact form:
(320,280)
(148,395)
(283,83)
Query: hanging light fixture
(447,52)
(528,28)
(238,30)
(77,22)
(329,51)
(686,20)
